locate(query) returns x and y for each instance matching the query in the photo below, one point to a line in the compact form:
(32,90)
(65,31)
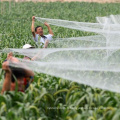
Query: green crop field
(49,97)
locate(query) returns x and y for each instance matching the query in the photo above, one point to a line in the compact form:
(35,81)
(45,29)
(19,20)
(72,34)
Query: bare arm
(46,43)
(49,28)
(37,56)
(15,61)
(7,80)
(29,73)
(32,26)
(8,72)
(27,70)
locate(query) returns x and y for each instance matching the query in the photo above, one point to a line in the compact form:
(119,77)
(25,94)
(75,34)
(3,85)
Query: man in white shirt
(38,32)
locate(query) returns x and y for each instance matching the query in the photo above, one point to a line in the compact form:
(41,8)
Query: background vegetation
(48,97)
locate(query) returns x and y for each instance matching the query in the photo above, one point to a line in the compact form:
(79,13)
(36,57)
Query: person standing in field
(22,74)
(38,34)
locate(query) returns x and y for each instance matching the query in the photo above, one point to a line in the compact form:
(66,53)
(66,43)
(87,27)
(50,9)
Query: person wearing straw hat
(38,34)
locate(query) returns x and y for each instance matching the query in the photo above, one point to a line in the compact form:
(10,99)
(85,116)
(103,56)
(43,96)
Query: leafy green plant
(49,97)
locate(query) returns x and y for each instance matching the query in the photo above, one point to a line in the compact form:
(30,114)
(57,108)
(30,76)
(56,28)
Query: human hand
(11,58)
(46,24)
(9,55)
(33,18)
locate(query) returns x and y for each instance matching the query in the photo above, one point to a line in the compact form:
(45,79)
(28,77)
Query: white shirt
(40,39)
